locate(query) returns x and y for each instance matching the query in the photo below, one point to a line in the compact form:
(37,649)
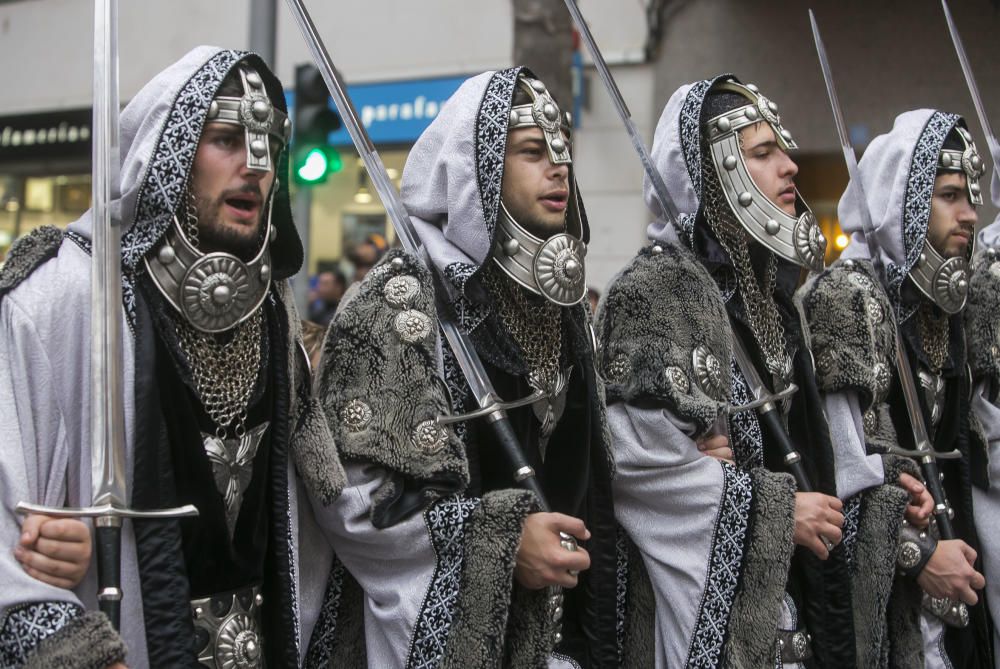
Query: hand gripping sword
(107,416)
(924,452)
(490,405)
(765,402)
(970,80)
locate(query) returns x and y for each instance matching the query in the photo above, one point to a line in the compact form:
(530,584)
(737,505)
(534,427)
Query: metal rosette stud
(951,285)
(216,293)
(558,270)
(810,243)
(708,373)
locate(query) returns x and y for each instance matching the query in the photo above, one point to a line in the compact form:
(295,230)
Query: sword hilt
(108,531)
(770,420)
(108,539)
(524,473)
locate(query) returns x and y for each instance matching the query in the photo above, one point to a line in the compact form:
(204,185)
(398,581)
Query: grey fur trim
(657,311)
(315,455)
(27,253)
(378,384)
(982,321)
(904,638)
(86,642)
(488,601)
(638,646)
(768,554)
(313,449)
(851,328)
(874,570)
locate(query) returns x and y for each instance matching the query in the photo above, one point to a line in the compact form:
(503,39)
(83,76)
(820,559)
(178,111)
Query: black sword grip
(504,433)
(932,479)
(109,543)
(771,421)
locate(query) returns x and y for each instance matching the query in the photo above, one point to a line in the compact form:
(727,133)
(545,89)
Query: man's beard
(214,235)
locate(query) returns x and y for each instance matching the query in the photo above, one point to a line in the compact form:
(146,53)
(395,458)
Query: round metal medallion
(237,646)
(618,369)
(545,112)
(870,422)
(356,415)
(429,437)
(908,555)
(678,379)
(412,326)
(800,644)
(768,110)
(861,280)
(708,373)
(875,312)
(810,244)
(256,112)
(215,292)
(882,380)
(558,270)
(951,285)
(399,291)
(972,164)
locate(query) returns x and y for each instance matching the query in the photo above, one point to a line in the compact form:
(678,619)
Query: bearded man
(217,407)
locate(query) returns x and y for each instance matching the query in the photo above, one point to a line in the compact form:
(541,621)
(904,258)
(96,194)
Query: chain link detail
(224,373)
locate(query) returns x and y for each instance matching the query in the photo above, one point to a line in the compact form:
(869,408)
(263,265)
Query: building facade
(402,59)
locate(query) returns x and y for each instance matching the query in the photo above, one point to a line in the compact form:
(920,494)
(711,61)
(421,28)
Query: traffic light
(313,123)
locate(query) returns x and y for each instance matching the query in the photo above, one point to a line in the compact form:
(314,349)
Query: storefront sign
(395,112)
(60,134)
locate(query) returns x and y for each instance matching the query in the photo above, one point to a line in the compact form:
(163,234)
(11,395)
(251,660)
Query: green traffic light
(314,167)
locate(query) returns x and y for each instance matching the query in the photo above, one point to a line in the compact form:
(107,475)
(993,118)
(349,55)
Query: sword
(923,451)
(765,400)
(666,203)
(490,405)
(970,80)
(107,416)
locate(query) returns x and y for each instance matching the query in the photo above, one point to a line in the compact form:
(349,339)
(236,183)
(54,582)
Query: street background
(402,59)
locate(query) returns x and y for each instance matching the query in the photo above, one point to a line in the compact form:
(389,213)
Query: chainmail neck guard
(762,312)
(535,325)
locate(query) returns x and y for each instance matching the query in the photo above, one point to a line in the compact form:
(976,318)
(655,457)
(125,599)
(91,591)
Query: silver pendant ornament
(797,239)
(232,467)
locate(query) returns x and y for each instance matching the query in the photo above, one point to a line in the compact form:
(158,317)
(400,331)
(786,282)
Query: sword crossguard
(919,454)
(104,511)
(764,400)
(492,406)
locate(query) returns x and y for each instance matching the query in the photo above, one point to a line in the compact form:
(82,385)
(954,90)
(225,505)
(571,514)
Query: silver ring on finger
(567,541)
(827,543)
(573,572)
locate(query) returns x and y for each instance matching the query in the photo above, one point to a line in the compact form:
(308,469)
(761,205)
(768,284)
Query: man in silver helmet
(217,406)
(457,566)
(745,569)
(982,334)
(922,185)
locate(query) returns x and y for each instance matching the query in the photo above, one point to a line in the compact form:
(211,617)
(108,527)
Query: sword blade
(659,188)
(107,390)
(970,81)
(914,410)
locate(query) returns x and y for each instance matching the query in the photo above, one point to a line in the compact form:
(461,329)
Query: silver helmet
(794,238)
(216,291)
(945,281)
(553,267)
